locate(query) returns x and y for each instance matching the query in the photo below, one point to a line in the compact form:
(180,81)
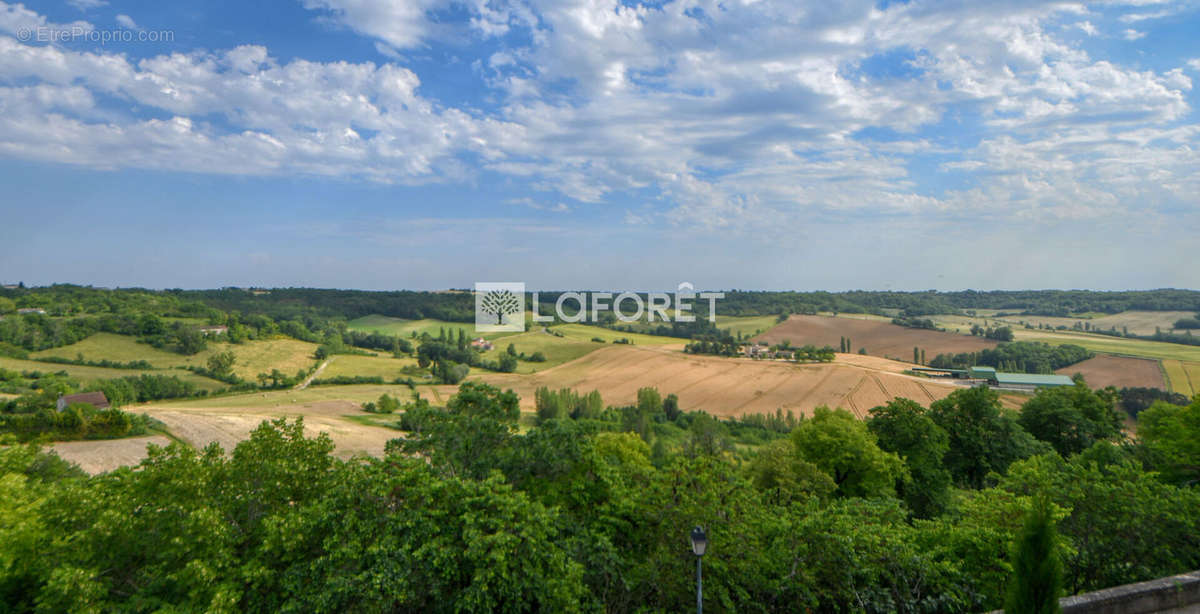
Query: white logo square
(499,307)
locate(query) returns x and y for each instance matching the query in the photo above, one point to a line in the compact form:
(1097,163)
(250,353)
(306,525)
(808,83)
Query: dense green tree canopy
(842,446)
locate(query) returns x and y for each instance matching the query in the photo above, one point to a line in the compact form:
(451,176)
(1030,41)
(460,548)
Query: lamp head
(699,541)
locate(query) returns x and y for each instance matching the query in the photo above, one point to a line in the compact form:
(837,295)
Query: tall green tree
(1037,569)
(471,436)
(842,446)
(903,427)
(1171,435)
(984,437)
(1071,418)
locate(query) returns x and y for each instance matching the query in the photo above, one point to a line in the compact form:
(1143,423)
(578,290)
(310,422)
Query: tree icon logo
(499,306)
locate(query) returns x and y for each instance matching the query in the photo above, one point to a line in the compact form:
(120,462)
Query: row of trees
(76,421)
(1018,356)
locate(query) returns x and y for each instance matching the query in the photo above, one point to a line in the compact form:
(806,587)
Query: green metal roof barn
(1031,379)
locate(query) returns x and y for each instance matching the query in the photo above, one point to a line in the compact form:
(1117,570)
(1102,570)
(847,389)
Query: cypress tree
(1037,571)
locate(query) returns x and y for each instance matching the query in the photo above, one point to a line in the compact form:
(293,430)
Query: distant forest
(458,305)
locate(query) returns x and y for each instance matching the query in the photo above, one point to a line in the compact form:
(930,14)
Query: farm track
(308,380)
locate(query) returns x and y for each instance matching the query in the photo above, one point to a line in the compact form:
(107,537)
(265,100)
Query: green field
(748,326)
(1183,377)
(1137,322)
(585,332)
(1105,344)
(91,374)
(557,350)
(386,325)
(119,348)
(368,366)
(1157,350)
(252,357)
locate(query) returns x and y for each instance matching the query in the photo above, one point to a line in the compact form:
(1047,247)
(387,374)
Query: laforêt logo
(499,307)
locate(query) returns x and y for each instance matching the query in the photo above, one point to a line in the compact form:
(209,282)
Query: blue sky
(593,144)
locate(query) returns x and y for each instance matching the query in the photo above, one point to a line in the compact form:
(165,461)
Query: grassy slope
(1138,322)
(1177,377)
(557,350)
(120,348)
(584,332)
(405,328)
(749,326)
(91,374)
(369,366)
(252,357)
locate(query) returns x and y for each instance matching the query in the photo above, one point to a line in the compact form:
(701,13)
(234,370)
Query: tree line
(1017,357)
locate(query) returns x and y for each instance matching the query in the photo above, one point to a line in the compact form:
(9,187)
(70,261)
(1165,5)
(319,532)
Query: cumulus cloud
(733,116)
(85,5)
(125,21)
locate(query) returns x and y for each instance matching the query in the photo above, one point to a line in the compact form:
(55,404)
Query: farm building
(987,373)
(482,344)
(213,330)
(1031,382)
(1009,381)
(29,310)
(95,399)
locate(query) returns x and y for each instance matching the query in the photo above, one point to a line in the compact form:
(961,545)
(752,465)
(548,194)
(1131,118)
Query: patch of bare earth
(107,454)
(877,337)
(1119,371)
(226,427)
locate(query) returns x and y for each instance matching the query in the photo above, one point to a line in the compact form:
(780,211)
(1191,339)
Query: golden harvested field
(107,454)
(724,386)
(230,420)
(1119,371)
(880,338)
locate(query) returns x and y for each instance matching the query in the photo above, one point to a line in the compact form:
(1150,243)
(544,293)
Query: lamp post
(699,545)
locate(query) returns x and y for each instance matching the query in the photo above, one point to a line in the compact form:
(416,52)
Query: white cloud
(1132,35)
(18,20)
(125,21)
(85,5)
(728,115)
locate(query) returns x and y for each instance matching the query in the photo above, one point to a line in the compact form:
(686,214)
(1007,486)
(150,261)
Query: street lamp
(699,545)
